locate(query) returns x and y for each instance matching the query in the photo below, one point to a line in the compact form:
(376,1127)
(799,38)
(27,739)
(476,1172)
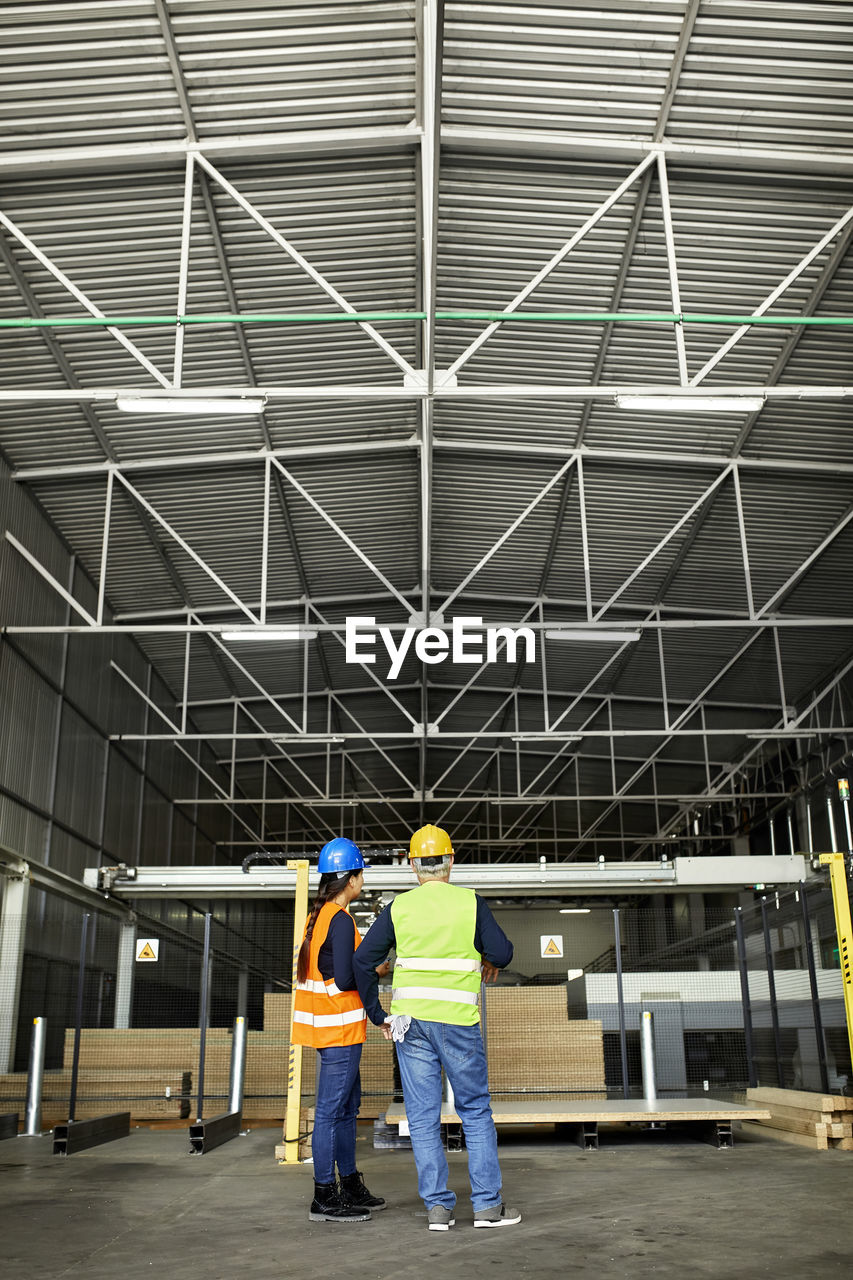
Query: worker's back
(437,971)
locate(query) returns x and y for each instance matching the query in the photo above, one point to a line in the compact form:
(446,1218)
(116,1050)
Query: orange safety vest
(324,1016)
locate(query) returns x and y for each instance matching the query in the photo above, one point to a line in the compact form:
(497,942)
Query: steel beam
(206,1135)
(554,261)
(172,153)
(496,546)
(9,1125)
(441,391)
(585,453)
(708,873)
(668,536)
(299,259)
(776,293)
(13,929)
(672,264)
(687,155)
(826,162)
(333,524)
(507,799)
(81,297)
(80,1135)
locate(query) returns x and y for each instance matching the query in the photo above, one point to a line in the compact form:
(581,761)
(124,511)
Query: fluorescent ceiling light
(546,737)
(781,733)
(574,911)
(187,404)
(692,403)
(270,633)
(310,739)
(609,637)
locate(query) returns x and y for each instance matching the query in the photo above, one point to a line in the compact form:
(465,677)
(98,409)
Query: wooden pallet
(708,1118)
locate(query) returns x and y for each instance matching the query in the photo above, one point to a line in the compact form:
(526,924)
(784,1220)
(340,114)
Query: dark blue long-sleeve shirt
(489,939)
(334,959)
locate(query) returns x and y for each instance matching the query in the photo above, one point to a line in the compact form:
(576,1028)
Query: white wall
(584,937)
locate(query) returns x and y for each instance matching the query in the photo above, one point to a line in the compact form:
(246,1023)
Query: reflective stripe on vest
(433,993)
(439,967)
(329,1019)
(436,966)
(325,1017)
(321,988)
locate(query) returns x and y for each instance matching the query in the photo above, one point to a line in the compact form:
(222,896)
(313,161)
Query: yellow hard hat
(430,842)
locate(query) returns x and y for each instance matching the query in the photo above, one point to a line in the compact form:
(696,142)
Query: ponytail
(330,887)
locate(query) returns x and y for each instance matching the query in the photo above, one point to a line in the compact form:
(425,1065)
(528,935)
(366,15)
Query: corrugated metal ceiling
(316,114)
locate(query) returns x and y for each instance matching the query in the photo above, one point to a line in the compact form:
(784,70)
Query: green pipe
(568,317)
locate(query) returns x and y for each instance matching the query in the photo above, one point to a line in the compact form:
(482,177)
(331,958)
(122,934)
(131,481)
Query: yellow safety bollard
(844,930)
(294,1066)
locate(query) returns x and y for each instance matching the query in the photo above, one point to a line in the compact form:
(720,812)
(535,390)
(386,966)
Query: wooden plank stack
(822,1122)
(534,1051)
(162,1094)
(533,1048)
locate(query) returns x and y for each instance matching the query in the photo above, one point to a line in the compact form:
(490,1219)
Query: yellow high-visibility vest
(437,970)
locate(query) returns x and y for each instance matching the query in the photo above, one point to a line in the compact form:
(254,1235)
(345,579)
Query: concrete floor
(645,1204)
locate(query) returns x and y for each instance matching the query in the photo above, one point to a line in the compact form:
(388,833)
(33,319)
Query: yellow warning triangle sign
(146,953)
(552,949)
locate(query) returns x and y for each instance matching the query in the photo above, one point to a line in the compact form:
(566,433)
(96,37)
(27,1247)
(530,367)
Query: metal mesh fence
(122,999)
(688,983)
(752,997)
(794,1014)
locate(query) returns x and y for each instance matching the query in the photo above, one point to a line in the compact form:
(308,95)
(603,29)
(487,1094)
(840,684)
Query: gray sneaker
(440,1219)
(498,1216)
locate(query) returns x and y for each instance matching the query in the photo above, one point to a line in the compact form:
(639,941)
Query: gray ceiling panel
(602,171)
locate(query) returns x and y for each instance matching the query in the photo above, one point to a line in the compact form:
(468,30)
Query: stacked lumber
(161,1094)
(142,1050)
(534,1049)
(377,1062)
(822,1122)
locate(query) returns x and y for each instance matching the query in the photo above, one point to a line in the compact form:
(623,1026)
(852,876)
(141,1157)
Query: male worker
(444,936)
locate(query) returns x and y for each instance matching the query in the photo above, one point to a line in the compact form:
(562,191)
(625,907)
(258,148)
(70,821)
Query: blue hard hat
(340,855)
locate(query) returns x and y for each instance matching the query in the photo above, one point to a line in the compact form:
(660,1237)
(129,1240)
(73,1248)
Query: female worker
(329,1016)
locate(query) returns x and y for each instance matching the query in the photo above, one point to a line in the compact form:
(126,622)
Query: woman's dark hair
(330,887)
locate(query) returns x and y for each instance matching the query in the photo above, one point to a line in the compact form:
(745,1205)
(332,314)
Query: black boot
(354,1192)
(329,1206)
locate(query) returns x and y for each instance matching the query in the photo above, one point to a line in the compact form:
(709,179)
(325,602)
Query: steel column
(203,1016)
(238,1064)
(125,974)
(771,984)
(813,988)
(620,1000)
(647,1051)
(746,999)
(78,1016)
(13,929)
(35,1078)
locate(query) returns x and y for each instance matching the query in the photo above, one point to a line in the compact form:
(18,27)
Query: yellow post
(294,1066)
(841,903)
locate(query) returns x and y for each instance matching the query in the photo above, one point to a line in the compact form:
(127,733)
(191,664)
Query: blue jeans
(336,1104)
(427,1047)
